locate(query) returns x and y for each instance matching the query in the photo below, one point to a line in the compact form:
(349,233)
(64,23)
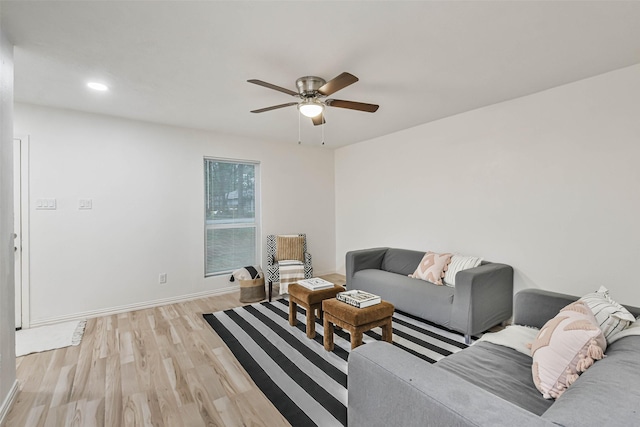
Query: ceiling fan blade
(352,105)
(340,82)
(274,107)
(318,120)
(274,87)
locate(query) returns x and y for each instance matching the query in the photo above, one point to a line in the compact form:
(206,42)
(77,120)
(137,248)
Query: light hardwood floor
(162,366)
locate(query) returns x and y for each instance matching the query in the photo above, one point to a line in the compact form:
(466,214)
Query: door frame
(21,143)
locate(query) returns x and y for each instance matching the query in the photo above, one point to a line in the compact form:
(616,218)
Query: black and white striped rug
(307,384)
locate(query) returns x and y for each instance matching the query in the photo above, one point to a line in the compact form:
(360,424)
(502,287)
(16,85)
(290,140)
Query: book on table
(359,299)
(315,283)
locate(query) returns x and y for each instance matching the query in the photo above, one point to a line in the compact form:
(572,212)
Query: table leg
(328,334)
(356,339)
(387,331)
(292,312)
(270,289)
(311,322)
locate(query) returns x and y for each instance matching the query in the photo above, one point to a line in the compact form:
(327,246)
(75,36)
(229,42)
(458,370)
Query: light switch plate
(85,204)
(46,204)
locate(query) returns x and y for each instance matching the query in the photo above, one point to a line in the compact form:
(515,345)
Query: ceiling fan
(312,90)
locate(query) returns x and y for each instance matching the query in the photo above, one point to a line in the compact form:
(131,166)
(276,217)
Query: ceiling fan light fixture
(311,107)
(101,87)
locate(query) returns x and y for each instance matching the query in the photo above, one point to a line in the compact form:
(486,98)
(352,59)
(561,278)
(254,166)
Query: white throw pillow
(459,263)
(632,329)
(611,316)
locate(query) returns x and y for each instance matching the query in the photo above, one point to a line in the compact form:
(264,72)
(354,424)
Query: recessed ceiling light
(97,86)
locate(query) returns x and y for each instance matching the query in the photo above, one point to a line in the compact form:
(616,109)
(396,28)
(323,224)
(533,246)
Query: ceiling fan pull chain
(299,134)
(322,121)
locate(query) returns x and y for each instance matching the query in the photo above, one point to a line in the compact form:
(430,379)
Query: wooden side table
(311,301)
(356,320)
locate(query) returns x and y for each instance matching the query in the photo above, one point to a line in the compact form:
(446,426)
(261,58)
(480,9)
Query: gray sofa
(482,297)
(491,385)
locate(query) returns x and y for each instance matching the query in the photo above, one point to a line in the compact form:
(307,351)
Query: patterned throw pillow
(432,267)
(632,329)
(290,248)
(565,347)
(459,263)
(611,316)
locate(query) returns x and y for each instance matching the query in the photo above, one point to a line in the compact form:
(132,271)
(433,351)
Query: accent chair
(292,247)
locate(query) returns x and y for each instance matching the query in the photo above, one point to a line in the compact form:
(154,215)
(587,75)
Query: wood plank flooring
(161,366)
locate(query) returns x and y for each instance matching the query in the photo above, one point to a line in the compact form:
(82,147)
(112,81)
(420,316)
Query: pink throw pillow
(432,267)
(565,347)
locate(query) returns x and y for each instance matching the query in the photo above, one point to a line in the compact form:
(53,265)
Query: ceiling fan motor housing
(308,86)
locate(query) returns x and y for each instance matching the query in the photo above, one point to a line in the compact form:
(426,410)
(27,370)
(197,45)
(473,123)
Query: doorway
(21,229)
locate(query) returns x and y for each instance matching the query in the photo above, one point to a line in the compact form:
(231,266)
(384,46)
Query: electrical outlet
(163,278)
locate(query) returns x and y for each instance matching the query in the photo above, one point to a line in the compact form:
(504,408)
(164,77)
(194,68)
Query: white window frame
(257,221)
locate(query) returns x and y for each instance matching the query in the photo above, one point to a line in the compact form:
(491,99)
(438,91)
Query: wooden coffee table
(311,301)
(356,320)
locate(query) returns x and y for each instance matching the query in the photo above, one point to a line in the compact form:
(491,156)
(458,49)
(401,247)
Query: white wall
(7,316)
(147,186)
(548,183)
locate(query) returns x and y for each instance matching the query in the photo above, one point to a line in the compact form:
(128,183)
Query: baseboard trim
(131,307)
(8,402)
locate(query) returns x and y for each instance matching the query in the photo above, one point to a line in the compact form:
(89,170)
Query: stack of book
(315,284)
(358,298)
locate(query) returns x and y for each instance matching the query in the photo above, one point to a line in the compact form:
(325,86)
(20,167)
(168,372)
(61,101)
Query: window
(231,216)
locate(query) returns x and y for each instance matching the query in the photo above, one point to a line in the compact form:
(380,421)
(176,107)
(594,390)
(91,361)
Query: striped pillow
(290,248)
(611,316)
(459,263)
(632,329)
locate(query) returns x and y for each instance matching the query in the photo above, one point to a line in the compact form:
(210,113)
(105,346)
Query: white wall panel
(147,187)
(548,183)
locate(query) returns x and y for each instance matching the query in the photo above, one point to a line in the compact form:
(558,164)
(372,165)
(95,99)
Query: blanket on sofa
(516,337)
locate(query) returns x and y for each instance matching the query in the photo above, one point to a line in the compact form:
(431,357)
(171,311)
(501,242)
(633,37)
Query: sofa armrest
(483,298)
(363,259)
(534,307)
(388,386)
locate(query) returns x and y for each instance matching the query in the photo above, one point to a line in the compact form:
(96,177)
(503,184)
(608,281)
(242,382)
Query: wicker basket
(252,290)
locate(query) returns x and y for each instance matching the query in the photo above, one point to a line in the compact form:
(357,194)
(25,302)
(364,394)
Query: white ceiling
(186,63)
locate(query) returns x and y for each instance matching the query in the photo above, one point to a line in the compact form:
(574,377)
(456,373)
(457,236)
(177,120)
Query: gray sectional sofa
(482,297)
(491,385)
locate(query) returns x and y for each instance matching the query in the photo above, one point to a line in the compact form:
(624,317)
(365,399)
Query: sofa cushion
(425,300)
(611,316)
(566,345)
(432,267)
(401,261)
(459,263)
(607,394)
(499,370)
